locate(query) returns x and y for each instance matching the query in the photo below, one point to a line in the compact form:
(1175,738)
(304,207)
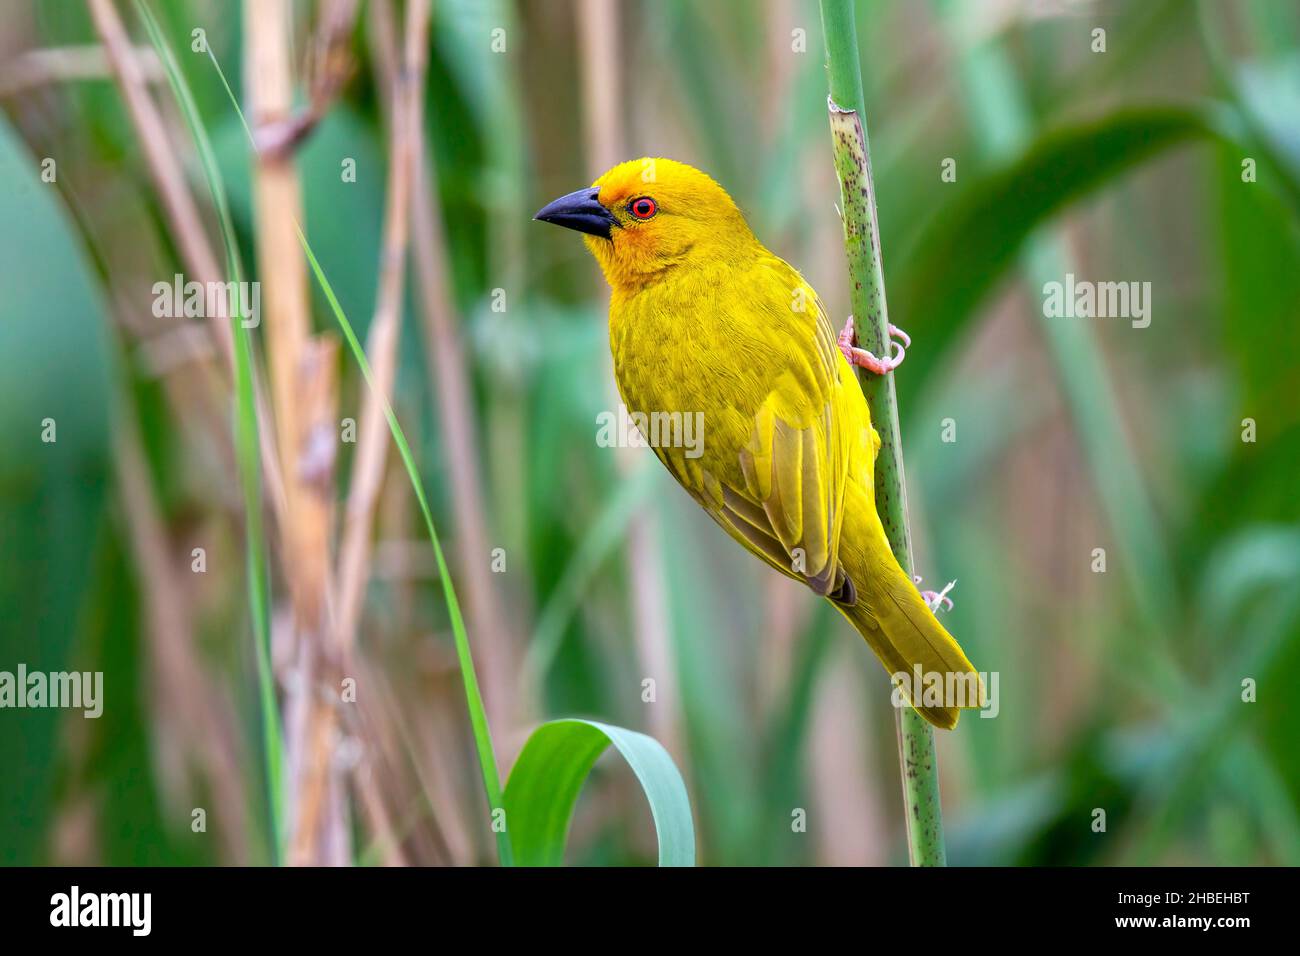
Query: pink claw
(864,359)
(937,599)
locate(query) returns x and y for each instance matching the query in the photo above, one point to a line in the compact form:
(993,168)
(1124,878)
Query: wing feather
(773,466)
(787,506)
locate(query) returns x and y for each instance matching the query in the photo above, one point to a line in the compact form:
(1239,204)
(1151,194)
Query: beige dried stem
(448,364)
(162,160)
(35,68)
(319,835)
(302,370)
(406,97)
(437,788)
(198,724)
(331,65)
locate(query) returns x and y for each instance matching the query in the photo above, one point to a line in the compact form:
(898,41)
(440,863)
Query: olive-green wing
(785,500)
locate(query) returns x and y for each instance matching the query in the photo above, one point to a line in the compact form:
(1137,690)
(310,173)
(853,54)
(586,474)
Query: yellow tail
(890,613)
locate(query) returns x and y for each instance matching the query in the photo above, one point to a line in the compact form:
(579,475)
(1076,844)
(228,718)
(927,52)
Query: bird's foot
(937,599)
(899,340)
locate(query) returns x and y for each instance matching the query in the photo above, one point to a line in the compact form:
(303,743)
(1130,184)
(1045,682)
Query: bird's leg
(936,599)
(864,359)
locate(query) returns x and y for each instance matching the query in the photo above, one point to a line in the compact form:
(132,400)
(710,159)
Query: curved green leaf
(544,785)
(960,255)
(247,451)
(52,487)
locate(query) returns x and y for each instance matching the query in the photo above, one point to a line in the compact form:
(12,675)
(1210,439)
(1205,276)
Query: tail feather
(904,633)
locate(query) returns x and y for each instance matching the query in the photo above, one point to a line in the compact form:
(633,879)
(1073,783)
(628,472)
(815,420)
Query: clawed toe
(937,599)
(899,340)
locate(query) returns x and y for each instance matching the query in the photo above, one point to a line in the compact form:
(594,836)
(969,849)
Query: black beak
(580,210)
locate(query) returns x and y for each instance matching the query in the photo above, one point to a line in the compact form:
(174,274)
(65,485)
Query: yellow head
(647,217)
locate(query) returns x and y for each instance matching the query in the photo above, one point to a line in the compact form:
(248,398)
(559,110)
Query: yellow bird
(704,319)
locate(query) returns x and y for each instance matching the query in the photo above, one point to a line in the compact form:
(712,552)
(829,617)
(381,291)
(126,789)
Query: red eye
(643,208)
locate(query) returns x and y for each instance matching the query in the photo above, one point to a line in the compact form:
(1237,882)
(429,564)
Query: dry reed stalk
(162,160)
(406,98)
(278,206)
(331,66)
(62,64)
(448,364)
(168,177)
(434,756)
(196,723)
(377,817)
(373,782)
(301,368)
(182,359)
(319,835)
(445,778)
(373,439)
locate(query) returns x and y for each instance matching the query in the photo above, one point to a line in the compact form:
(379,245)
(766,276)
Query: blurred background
(1117,504)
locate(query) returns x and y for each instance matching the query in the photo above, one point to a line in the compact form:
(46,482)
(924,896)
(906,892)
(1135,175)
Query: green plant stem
(246,441)
(918,764)
(464,656)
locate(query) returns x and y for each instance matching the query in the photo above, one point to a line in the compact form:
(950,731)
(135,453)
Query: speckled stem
(919,768)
